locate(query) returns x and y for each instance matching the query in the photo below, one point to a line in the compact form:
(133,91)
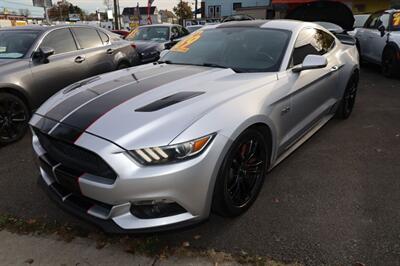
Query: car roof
(284,24)
(46,28)
(160,25)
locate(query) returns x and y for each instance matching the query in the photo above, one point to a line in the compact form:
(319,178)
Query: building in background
(280,8)
(168,16)
(42,3)
(130,15)
(222,8)
(15,12)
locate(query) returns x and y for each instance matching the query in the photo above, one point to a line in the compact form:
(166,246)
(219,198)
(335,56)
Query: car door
(99,56)
(367,34)
(65,67)
(313,92)
(376,40)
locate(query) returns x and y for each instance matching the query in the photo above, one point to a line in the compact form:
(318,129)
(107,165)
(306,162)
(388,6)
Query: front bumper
(108,204)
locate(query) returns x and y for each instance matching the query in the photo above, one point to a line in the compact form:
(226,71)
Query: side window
(60,40)
(372,21)
(175,32)
(104,37)
(311,41)
(183,32)
(87,37)
(383,20)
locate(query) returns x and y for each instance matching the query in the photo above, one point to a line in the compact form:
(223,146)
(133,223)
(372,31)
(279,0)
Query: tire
(349,98)
(241,175)
(390,63)
(14,117)
(122,65)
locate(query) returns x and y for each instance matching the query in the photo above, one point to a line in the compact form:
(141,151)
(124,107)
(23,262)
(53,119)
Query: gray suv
(36,62)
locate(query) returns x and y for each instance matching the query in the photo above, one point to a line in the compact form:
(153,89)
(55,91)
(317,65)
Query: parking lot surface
(334,201)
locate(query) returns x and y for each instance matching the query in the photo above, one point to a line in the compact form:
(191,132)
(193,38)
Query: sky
(92,5)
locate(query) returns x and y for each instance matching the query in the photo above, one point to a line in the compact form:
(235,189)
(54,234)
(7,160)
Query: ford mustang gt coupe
(161,145)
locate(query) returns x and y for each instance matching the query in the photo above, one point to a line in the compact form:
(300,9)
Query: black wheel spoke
(13,118)
(247,167)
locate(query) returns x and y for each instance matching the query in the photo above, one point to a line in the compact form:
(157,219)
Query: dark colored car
(36,62)
(150,40)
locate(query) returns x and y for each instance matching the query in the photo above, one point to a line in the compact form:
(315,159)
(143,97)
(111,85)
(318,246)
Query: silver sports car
(162,145)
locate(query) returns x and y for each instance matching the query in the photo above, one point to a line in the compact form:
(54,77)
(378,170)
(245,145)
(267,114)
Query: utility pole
(195,10)
(116,15)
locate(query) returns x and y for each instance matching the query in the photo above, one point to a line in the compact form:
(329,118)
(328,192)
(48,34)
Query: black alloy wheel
(349,99)
(122,65)
(14,117)
(390,64)
(242,174)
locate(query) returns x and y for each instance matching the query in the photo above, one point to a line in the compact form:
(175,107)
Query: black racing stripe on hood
(45,124)
(92,111)
(70,104)
(169,100)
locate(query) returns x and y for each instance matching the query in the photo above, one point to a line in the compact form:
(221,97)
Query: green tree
(183,10)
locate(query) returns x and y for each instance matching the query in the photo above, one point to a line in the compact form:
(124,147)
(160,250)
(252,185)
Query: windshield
(239,48)
(156,34)
(396,21)
(15,44)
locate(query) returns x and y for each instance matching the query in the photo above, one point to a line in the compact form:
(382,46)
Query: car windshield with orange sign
(238,48)
(396,21)
(152,33)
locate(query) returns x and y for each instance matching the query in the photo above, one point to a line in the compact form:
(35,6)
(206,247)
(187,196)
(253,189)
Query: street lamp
(116,15)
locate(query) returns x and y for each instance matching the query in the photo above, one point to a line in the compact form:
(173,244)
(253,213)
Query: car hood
(145,46)
(145,106)
(327,11)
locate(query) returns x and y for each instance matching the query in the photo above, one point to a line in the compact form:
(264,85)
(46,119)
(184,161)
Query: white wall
(227,5)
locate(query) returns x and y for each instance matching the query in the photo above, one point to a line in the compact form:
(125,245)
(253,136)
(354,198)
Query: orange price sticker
(133,33)
(396,19)
(184,45)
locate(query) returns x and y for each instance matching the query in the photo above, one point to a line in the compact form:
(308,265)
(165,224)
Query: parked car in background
(161,145)
(150,40)
(36,62)
(193,28)
(379,41)
(237,17)
(122,33)
(359,20)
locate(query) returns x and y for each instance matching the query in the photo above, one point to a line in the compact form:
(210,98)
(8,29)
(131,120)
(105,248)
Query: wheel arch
(17,92)
(262,123)
(394,46)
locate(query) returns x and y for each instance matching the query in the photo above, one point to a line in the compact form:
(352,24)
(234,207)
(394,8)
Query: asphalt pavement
(335,201)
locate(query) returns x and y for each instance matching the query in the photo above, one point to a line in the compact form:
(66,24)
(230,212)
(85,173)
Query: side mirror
(174,36)
(44,53)
(311,62)
(382,30)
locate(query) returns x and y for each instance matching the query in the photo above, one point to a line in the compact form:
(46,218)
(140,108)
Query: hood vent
(169,100)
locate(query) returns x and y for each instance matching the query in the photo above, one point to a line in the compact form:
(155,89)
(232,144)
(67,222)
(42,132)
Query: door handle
(334,68)
(80,59)
(110,51)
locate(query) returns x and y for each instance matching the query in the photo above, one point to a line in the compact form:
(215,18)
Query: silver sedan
(162,145)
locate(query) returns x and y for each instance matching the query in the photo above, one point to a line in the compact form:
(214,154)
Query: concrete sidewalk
(18,249)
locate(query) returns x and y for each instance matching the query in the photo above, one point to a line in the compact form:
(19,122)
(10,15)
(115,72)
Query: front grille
(74,159)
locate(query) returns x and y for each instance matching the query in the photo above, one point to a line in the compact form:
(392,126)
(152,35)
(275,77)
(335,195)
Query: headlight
(173,153)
